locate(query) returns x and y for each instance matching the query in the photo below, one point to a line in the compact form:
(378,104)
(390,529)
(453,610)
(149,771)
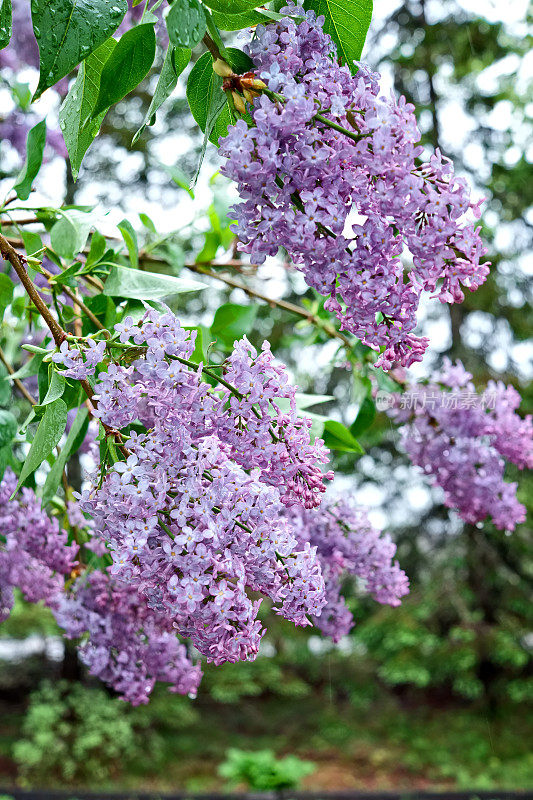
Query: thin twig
(20,386)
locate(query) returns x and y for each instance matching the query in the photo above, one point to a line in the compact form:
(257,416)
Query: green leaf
(206,99)
(186,23)
(130,239)
(347,22)
(176,59)
(232,6)
(34,158)
(68,31)
(74,439)
(48,434)
(6,15)
(365,417)
(179,178)
(56,387)
(304,401)
(5,457)
(5,388)
(126,67)
(236,22)
(70,232)
(233,321)
(31,367)
(6,292)
(125,282)
(32,242)
(147,222)
(337,437)
(79,128)
(8,427)
(97,249)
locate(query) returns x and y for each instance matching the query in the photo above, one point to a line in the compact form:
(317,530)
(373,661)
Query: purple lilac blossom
(462,439)
(80,362)
(187,526)
(299,182)
(126,644)
(35,555)
(348,546)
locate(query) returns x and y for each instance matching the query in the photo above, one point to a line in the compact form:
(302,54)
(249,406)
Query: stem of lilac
(355,137)
(87,311)
(58,333)
(212,47)
(18,264)
(223,382)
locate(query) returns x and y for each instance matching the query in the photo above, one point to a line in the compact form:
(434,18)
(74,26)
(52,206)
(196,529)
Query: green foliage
(176,59)
(70,232)
(236,22)
(6,292)
(73,734)
(125,282)
(232,322)
(207,101)
(76,119)
(68,31)
(6,14)
(128,64)
(73,442)
(34,158)
(186,23)
(232,6)
(262,771)
(8,427)
(48,434)
(56,387)
(347,22)
(337,437)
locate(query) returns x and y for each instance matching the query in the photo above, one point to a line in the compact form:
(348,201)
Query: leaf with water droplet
(186,23)
(77,126)
(68,31)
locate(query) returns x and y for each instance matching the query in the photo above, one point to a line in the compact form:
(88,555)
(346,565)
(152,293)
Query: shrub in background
(263,770)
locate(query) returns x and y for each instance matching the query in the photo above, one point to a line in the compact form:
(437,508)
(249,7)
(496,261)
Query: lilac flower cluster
(187,525)
(279,446)
(35,555)
(125,643)
(345,205)
(348,546)
(80,362)
(465,448)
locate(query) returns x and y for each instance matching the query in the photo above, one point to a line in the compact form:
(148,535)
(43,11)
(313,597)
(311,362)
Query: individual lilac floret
(300,182)
(348,546)
(82,362)
(462,439)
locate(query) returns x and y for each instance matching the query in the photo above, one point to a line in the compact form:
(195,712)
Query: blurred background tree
(434,693)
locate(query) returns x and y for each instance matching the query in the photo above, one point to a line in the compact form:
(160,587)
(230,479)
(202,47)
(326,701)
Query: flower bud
(239,103)
(222,69)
